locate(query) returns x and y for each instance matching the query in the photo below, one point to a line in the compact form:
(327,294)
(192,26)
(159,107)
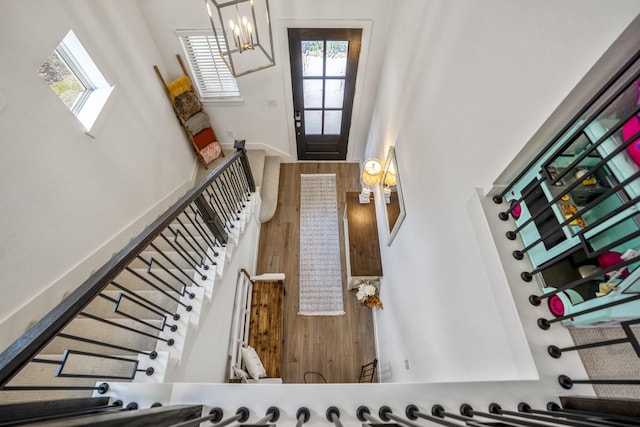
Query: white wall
(252,119)
(68,200)
(464,88)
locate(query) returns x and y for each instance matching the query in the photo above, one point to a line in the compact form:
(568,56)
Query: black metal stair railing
(576,211)
(114,321)
(412,416)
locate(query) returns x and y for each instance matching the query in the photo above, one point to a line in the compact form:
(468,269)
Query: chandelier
(243,34)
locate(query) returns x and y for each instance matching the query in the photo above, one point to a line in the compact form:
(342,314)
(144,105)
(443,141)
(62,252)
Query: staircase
(152,297)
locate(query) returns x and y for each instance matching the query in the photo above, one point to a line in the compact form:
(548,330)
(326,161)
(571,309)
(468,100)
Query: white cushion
(253,363)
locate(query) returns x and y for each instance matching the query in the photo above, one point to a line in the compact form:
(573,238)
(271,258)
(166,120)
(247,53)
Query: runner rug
(320,271)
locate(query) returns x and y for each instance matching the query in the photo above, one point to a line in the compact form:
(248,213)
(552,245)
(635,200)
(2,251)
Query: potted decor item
(368,295)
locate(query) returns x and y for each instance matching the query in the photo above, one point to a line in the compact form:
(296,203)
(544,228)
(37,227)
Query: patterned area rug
(320,271)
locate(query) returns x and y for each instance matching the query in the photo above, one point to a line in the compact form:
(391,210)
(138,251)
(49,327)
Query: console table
(362,248)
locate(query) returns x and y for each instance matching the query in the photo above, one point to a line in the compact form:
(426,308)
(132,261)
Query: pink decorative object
(630,128)
(516,210)
(211,152)
(556,306)
(610,259)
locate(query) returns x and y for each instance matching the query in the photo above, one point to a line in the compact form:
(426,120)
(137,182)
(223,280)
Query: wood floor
(333,346)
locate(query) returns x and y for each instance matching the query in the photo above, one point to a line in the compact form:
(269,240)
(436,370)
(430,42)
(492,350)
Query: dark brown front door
(324,64)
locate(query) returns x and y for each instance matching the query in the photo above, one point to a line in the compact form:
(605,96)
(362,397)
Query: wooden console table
(361,241)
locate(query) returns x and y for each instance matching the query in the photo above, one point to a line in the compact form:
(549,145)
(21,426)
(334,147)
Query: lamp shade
(371,172)
(390,179)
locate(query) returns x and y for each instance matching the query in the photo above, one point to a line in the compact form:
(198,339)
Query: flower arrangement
(368,295)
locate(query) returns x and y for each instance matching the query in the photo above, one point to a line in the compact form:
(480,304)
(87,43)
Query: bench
(258,323)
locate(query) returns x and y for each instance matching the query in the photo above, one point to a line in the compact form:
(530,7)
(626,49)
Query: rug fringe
(321,313)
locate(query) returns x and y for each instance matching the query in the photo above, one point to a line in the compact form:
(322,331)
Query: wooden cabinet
(361,241)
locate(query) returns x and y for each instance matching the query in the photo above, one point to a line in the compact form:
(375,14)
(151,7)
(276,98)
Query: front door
(324,63)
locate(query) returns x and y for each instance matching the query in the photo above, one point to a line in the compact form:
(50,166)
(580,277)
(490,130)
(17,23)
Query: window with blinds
(210,74)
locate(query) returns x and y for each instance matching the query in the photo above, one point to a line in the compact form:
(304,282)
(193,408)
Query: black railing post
(413,413)
(386,414)
(239,146)
(212,219)
(271,416)
(215,416)
(333,415)
(494,408)
(364,415)
(302,416)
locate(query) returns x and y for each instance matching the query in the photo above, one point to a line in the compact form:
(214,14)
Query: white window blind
(211,75)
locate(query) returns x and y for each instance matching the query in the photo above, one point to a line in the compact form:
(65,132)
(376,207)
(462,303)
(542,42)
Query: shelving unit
(190,114)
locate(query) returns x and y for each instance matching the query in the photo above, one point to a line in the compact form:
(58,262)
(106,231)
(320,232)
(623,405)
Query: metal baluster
(302,416)
(494,408)
(219,207)
(271,416)
(594,146)
(576,183)
(364,414)
(515,203)
(467,410)
(225,196)
(239,182)
(585,123)
(554,410)
(202,251)
(386,415)
(545,323)
(528,276)
(333,415)
(117,302)
(244,160)
(229,178)
(568,383)
(536,299)
(185,255)
(244,185)
(162,267)
(215,416)
(556,352)
(201,229)
(101,389)
(175,316)
(169,341)
(61,363)
(505,215)
(438,411)
(413,413)
(156,287)
(216,188)
(519,254)
(512,234)
(180,269)
(152,354)
(610,246)
(116,406)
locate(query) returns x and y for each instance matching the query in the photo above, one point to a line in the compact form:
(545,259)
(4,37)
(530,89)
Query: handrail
(24,348)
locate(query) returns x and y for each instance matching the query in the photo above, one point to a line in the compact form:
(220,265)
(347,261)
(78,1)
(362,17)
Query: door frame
(359,131)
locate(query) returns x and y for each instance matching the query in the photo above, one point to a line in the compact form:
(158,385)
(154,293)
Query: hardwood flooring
(333,347)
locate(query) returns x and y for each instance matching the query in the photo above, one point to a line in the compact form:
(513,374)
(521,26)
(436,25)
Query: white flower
(370,290)
(360,295)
